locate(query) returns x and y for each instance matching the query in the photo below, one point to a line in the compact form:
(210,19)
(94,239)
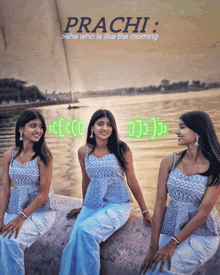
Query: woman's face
(185,135)
(33,130)
(102,128)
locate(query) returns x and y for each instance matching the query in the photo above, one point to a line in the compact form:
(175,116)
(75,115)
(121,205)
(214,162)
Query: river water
(147,153)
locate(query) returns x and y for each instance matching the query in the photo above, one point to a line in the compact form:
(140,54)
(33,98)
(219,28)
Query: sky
(34,47)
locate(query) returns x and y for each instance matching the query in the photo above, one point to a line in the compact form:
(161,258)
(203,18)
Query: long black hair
(40,147)
(201,123)
(115,145)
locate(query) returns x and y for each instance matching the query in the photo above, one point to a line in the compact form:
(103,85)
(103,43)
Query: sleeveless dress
(106,209)
(106,181)
(186,193)
(26,178)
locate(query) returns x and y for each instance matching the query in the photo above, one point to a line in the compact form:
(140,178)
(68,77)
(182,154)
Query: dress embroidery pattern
(26,180)
(186,194)
(106,181)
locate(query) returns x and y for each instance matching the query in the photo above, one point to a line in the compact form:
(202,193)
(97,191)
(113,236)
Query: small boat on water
(72,107)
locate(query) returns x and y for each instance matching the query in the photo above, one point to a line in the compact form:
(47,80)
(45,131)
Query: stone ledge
(121,254)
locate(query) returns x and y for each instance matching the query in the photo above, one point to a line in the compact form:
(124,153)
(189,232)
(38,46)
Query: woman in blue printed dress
(185,235)
(106,201)
(26,212)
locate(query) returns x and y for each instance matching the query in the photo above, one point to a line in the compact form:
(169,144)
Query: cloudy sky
(187,46)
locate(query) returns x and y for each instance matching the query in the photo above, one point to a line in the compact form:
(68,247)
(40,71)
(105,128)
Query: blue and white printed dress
(186,193)
(26,178)
(106,209)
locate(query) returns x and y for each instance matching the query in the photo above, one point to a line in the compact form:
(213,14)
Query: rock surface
(121,254)
(44,256)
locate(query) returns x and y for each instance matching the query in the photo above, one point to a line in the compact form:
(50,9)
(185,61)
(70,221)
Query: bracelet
(22,213)
(145,211)
(175,240)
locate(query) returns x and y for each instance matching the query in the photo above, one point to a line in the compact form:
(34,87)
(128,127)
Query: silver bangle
(22,213)
(145,211)
(175,240)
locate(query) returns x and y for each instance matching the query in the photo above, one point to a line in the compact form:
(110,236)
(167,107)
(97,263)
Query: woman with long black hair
(103,160)
(185,235)
(26,212)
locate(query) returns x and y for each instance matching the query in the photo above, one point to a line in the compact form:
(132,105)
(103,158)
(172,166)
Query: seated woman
(26,212)
(185,235)
(103,160)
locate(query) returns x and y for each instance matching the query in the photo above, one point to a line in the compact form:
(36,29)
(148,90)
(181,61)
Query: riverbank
(166,88)
(170,95)
(20,106)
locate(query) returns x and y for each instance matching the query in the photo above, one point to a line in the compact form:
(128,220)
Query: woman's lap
(191,254)
(12,250)
(92,226)
(103,221)
(33,227)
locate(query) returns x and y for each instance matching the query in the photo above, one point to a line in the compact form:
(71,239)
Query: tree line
(165,87)
(12,89)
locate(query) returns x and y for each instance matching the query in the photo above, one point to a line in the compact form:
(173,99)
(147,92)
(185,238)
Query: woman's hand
(163,255)
(148,261)
(73,213)
(13,226)
(147,219)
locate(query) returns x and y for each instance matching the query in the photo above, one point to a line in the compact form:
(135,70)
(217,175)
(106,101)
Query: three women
(184,235)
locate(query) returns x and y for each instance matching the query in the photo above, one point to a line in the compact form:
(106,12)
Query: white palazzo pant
(12,250)
(81,256)
(190,255)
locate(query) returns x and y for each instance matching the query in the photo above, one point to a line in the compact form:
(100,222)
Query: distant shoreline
(168,94)
(17,106)
(152,90)
(147,98)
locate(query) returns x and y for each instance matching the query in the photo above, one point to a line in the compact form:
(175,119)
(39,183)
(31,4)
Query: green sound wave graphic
(153,128)
(139,128)
(62,127)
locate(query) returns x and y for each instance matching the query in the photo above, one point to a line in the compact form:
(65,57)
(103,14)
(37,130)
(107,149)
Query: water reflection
(147,154)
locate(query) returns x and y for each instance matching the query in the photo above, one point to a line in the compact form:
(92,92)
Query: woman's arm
(160,206)
(6,187)
(208,202)
(45,182)
(135,188)
(85,178)
(159,211)
(85,181)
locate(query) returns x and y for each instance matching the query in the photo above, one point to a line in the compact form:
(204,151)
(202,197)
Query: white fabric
(12,250)
(191,254)
(81,256)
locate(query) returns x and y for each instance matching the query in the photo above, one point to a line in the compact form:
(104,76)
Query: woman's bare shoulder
(167,161)
(82,151)
(168,158)
(8,154)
